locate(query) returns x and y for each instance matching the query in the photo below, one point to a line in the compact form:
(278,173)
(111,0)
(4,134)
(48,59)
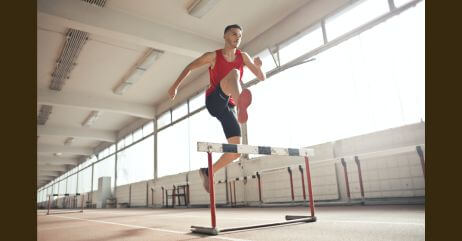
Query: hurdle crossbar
(262,150)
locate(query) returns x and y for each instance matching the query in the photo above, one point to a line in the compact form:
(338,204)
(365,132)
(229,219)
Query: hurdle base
(306,219)
(64,212)
(204,230)
(290,219)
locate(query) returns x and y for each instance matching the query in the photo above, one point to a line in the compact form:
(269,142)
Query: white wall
(139,192)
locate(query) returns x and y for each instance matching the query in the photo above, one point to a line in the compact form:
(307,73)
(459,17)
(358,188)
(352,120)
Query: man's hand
(257,61)
(172,92)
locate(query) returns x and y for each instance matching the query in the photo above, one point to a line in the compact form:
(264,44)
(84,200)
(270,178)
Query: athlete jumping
(226,67)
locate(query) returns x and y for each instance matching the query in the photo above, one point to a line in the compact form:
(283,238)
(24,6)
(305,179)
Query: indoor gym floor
(355,223)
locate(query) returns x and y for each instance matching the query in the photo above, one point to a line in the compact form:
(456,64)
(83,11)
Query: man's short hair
(232,26)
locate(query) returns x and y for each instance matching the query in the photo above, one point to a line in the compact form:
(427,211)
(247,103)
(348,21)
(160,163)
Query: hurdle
(67,196)
(261,150)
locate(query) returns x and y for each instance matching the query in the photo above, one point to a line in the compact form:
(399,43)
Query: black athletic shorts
(218,106)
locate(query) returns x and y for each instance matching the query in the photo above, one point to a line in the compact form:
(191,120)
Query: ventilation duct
(99,3)
(44,113)
(75,39)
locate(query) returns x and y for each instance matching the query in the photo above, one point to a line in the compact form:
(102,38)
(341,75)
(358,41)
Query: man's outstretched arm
(254,66)
(207,58)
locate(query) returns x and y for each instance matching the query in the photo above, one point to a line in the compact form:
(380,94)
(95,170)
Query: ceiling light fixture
(94,115)
(201,7)
(135,74)
(69,141)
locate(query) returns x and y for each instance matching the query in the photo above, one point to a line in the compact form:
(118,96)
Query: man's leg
(230,84)
(226,158)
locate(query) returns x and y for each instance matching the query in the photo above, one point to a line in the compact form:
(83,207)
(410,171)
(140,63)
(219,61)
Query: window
(354,16)
(305,43)
(179,112)
(267,65)
(128,140)
(72,184)
(368,83)
(50,190)
(104,153)
(104,168)
(173,146)
(92,159)
(148,128)
(121,144)
(84,180)
(164,120)
(204,128)
(62,187)
(136,163)
(138,134)
(197,102)
(112,149)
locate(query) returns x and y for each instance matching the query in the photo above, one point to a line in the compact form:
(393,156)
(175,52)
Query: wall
(397,174)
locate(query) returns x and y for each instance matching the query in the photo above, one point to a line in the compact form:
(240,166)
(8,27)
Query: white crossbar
(246,149)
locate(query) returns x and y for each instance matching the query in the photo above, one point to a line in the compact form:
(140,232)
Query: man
(226,67)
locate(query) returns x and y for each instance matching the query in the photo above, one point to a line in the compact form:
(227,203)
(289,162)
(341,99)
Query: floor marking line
(373,222)
(142,227)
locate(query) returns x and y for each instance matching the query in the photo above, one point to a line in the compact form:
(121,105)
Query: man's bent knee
(234,74)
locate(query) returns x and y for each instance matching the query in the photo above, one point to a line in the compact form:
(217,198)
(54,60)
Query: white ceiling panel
(71,117)
(52,140)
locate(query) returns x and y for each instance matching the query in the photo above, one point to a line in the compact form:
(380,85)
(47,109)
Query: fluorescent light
(69,141)
(200,7)
(121,88)
(58,154)
(94,115)
(135,74)
(150,58)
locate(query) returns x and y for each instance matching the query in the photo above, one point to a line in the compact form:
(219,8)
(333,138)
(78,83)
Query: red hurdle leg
(81,203)
(291,184)
(234,191)
(346,178)
(230,193)
(360,177)
(310,192)
(303,182)
(49,204)
(259,187)
(212,190)
(422,159)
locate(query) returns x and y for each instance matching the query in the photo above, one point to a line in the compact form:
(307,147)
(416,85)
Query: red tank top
(222,68)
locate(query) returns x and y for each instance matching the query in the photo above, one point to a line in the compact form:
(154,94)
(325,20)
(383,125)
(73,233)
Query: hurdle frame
(247,149)
(65,195)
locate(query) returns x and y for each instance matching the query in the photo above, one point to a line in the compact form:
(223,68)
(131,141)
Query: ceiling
(120,33)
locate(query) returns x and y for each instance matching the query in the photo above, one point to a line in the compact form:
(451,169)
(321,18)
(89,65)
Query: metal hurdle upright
(262,150)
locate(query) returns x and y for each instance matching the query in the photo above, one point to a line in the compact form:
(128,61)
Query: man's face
(233,37)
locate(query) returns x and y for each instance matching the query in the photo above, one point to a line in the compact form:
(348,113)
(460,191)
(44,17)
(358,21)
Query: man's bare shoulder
(245,56)
(210,55)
